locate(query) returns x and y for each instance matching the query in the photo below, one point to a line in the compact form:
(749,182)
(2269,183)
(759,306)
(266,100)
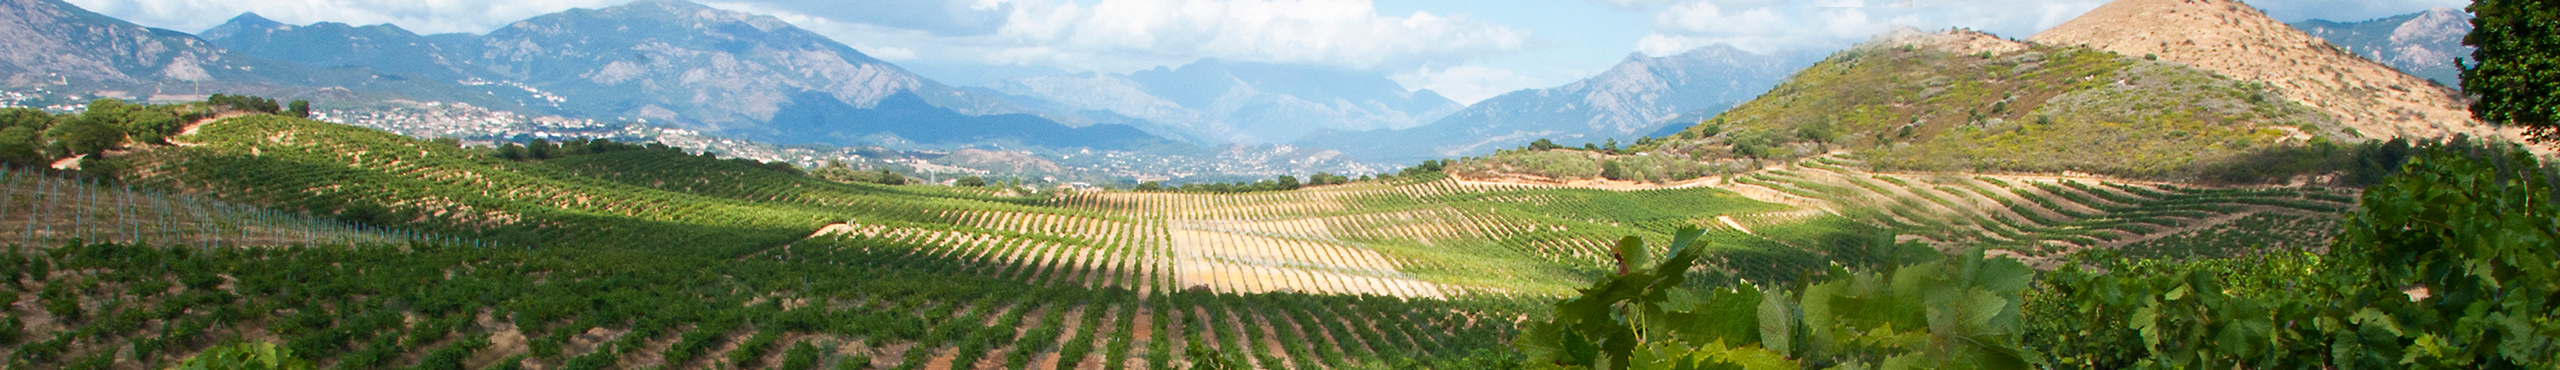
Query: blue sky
(1465,49)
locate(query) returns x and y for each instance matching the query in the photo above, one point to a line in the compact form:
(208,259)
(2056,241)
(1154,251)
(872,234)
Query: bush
(246,356)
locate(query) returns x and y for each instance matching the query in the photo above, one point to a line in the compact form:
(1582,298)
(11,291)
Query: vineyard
(42,208)
(655,258)
(648,257)
(2046,218)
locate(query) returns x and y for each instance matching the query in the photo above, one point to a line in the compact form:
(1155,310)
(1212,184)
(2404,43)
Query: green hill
(1930,103)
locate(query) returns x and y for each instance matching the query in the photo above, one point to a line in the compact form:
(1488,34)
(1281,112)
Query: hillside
(1968,101)
(2241,42)
(2422,44)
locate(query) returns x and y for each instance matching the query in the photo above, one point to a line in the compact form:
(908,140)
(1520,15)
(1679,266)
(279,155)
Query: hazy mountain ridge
(330,44)
(2422,44)
(1639,96)
(52,40)
(1218,102)
(668,62)
(62,48)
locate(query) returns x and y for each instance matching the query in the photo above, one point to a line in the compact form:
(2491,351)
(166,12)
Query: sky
(1467,50)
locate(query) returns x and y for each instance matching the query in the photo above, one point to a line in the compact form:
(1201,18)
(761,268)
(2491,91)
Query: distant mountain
(2423,44)
(1220,102)
(1640,96)
(668,62)
(328,44)
(52,41)
(822,118)
(52,44)
(2236,40)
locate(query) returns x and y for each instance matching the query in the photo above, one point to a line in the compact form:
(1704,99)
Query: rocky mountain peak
(2239,41)
(52,41)
(244,23)
(2432,39)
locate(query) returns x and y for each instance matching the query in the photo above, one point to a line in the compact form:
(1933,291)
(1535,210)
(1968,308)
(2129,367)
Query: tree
(1288,183)
(512,152)
(20,141)
(971,181)
(890,178)
(1150,186)
(1755,144)
(1544,145)
(300,109)
(2516,79)
(150,124)
(541,149)
(94,131)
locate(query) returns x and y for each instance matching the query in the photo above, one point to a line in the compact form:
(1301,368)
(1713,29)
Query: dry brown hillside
(2239,41)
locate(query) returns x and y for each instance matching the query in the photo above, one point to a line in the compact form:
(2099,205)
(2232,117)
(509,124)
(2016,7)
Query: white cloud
(1638,5)
(421,16)
(1120,36)
(1783,25)
(1466,84)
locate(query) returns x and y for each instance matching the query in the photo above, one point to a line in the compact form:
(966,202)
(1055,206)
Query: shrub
(246,356)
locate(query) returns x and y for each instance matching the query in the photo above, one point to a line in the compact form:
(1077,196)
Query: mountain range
(2424,44)
(680,64)
(56,46)
(1214,101)
(1641,96)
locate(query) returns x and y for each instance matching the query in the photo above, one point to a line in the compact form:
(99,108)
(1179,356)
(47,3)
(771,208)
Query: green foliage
(1757,144)
(2250,312)
(970,181)
(1280,183)
(838,171)
(1959,313)
(245,356)
(2516,79)
(243,103)
(1544,145)
(1560,165)
(2455,260)
(92,132)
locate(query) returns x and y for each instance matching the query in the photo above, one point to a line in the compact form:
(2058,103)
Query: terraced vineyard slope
(2041,218)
